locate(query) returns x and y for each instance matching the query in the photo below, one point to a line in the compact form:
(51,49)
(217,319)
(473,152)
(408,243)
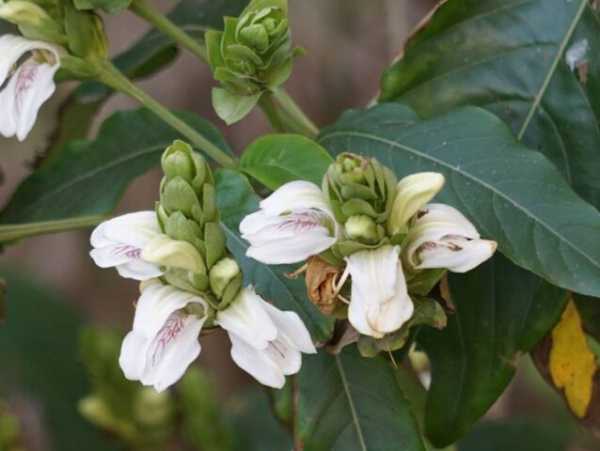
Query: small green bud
(180,160)
(359,185)
(249,57)
(215,241)
(222,274)
(178,195)
(86,36)
(363,229)
(35,21)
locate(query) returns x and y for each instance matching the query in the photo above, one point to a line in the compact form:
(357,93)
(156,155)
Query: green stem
(294,111)
(112,77)
(18,231)
(271,113)
(166,26)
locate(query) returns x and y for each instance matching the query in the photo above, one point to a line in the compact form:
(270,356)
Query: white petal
(133,355)
(291,328)
(256,363)
(379,298)
(441,213)
(469,255)
(136,229)
(298,195)
(412,193)
(291,250)
(247,318)
(139,270)
(13,47)
(173,349)
(157,303)
(165,251)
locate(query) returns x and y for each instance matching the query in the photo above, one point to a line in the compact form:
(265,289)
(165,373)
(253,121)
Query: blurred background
(54,289)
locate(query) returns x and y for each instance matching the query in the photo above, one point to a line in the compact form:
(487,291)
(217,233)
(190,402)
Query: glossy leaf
(88,178)
(349,403)
(236,199)
(277,159)
(512,194)
(501,311)
(512,57)
(513,435)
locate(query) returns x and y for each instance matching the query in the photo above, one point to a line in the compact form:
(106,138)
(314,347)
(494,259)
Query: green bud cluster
(252,55)
(80,33)
(361,192)
(188,212)
(138,415)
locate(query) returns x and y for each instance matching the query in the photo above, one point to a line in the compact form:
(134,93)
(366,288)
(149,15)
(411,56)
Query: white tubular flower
(266,342)
(379,298)
(119,243)
(293,223)
(441,237)
(412,193)
(28,86)
(164,339)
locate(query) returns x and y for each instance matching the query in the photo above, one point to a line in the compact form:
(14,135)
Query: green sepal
(232,291)
(215,242)
(232,107)
(209,202)
(181,228)
(177,195)
(422,282)
(355,207)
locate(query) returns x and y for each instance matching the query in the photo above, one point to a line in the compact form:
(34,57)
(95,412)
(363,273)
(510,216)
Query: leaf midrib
(468,176)
(353,413)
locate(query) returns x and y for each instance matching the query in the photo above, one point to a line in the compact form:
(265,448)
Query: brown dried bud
(321,278)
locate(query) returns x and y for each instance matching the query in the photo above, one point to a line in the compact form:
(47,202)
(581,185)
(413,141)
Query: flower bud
(153,409)
(86,36)
(226,277)
(362,228)
(180,160)
(252,55)
(165,251)
(359,185)
(33,21)
(412,193)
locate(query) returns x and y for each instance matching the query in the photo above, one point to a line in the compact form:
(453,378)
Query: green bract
(252,55)
(188,212)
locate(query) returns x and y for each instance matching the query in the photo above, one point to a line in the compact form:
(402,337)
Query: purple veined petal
(281,352)
(173,349)
(297,195)
(247,318)
(458,256)
(256,363)
(291,328)
(157,303)
(13,47)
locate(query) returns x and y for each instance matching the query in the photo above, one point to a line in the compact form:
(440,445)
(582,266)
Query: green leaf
(255,428)
(349,403)
(236,200)
(589,309)
(512,194)
(88,178)
(501,311)
(513,435)
(39,345)
(509,56)
(278,159)
(109,6)
(232,107)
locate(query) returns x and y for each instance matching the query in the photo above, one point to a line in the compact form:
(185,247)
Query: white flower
(379,298)
(293,223)
(266,342)
(119,243)
(28,86)
(441,237)
(164,339)
(412,193)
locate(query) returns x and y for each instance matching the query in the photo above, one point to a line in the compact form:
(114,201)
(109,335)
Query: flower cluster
(54,36)
(380,241)
(249,57)
(189,282)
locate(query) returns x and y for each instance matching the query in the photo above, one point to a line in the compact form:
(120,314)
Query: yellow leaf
(572,363)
